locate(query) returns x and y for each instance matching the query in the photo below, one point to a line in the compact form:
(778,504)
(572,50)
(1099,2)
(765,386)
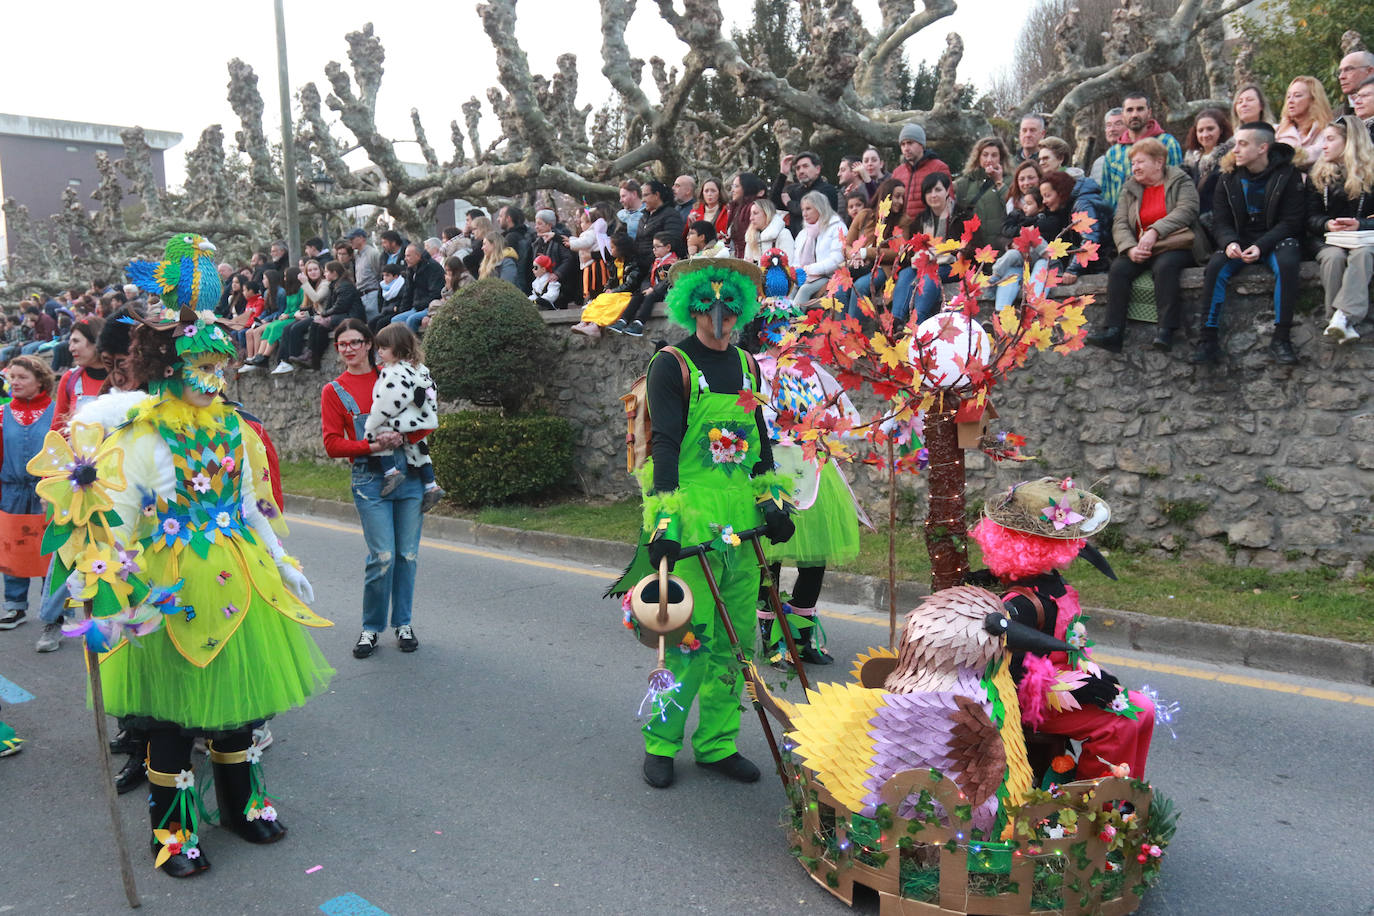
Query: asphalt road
(496,771)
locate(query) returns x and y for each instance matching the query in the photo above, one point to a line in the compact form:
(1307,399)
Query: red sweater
(337,423)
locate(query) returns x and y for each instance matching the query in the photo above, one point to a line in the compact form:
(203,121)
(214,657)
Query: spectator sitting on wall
(315,250)
(1055,154)
(642,301)
(1341,199)
(1258,215)
(766,230)
(548,241)
(393,247)
(1032,130)
(1250,105)
(1363,103)
(498,259)
(873,165)
(1113,123)
(1209,139)
(631,207)
(1140,123)
(744,190)
(917,162)
(511,221)
(424,286)
(711,207)
(819,245)
(976,191)
(702,241)
(367,266)
(660,216)
(393,297)
(545,290)
(1306,113)
(1158,203)
(685,196)
(481,225)
(1354,68)
(788,197)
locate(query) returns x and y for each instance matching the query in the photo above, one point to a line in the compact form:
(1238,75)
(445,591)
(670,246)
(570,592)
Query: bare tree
(844,83)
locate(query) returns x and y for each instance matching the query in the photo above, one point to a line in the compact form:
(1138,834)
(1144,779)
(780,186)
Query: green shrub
(484,343)
(482,457)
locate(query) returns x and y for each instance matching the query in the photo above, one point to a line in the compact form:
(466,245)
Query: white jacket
(829,250)
(774,235)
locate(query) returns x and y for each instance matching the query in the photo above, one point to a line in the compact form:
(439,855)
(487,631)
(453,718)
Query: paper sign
(21,537)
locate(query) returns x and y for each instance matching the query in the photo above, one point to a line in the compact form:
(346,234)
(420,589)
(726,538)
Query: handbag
(1178,240)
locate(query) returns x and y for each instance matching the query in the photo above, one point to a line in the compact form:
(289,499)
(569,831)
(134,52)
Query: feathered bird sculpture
(778,276)
(949,704)
(186,275)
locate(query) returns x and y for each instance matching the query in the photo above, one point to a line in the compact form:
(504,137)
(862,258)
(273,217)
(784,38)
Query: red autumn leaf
(886,389)
(971,226)
(1083,222)
(749,399)
(1028,239)
(850,381)
(839,282)
(1087,254)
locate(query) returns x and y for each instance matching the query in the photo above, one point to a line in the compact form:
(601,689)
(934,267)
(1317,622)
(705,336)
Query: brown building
(42,157)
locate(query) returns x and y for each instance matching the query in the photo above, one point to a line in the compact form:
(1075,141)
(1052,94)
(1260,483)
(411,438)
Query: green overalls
(719,450)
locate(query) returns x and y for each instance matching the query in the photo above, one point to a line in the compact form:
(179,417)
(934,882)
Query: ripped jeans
(391,529)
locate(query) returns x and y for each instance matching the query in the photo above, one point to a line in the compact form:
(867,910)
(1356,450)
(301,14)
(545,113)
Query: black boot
(1164,339)
(234,792)
(131,776)
(1109,339)
(1281,348)
(189,860)
(1208,348)
(809,642)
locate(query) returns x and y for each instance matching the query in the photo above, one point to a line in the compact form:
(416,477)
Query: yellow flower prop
(77,478)
(97,564)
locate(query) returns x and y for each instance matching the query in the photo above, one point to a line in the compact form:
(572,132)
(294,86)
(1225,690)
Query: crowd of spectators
(1243,188)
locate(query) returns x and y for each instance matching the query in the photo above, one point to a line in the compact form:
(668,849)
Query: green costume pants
(710,674)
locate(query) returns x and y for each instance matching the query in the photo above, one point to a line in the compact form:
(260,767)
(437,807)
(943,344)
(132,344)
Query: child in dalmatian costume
(404,400)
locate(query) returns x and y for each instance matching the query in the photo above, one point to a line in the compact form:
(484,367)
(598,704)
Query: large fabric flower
(77,478)
(98,564)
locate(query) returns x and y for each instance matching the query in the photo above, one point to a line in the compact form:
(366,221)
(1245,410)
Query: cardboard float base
(840,865)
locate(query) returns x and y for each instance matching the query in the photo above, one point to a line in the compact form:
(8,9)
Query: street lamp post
(288,141)
(323,186)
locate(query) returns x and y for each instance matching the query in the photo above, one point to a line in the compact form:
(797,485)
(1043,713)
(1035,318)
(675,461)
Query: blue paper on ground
(350,905)
(10,692)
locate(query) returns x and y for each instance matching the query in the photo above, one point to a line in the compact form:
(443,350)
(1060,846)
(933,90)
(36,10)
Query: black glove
(661,549)
(1099,691)
(983,578)
(779,526)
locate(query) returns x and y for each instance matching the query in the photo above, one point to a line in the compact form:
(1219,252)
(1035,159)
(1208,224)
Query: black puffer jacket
(1334,203)
(665,219)
(1284,211)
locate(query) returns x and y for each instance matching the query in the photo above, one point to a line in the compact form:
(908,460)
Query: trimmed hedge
(483,458)
(484,343)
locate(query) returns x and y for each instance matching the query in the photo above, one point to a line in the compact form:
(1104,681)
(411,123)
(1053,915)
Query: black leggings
(807,589)
(1166,267)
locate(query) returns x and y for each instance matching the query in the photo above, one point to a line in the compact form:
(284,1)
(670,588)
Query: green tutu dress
(273,330)
(232,648)
(827,531)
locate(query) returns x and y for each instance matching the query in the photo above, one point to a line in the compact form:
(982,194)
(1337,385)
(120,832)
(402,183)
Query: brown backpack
(639,432)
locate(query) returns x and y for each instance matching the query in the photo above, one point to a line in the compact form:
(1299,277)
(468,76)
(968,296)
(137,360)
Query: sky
(163,66)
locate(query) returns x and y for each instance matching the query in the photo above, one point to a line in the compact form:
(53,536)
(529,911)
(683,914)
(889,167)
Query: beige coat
(1180,202)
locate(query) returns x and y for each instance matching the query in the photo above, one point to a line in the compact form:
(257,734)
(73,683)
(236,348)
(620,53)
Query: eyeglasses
(350,344)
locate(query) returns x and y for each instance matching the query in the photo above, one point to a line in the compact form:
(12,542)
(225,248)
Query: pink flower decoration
(1061,515)
(97,566)
(200,483)
(171,526)
(188,331)
(228,464)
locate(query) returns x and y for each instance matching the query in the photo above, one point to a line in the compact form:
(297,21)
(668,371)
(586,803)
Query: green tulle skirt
(827,532)
(270,665)
(272,331)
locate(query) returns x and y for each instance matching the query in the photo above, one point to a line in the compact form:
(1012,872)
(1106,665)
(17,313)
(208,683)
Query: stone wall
(1248,461)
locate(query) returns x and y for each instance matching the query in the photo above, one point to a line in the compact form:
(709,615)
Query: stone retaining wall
(1248,461)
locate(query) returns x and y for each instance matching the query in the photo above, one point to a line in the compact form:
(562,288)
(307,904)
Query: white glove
(296,581)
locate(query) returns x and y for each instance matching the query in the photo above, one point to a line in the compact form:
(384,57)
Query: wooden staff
(126,867)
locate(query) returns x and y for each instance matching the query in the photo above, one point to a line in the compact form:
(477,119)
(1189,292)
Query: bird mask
(715,287)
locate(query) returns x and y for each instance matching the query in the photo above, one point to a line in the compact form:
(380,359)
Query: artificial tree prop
(925,375)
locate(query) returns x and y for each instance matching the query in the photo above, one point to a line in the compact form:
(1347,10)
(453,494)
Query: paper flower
(188,331)
(269,813)
(254,753)
(1061,515)
(727,534)
(193,853)
(128,558)
(228,464)
(76,478)
(690,643)
(97,564)
(200,483)
(185,780)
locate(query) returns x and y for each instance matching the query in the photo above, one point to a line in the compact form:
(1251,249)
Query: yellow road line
(1238,680)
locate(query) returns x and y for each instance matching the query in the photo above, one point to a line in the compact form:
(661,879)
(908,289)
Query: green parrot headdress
(714,286)
(185,277)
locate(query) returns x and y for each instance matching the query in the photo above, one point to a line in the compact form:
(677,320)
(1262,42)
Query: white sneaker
(1339,326)
(248,367)
(262,737)
(1350,334)
(282,368)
